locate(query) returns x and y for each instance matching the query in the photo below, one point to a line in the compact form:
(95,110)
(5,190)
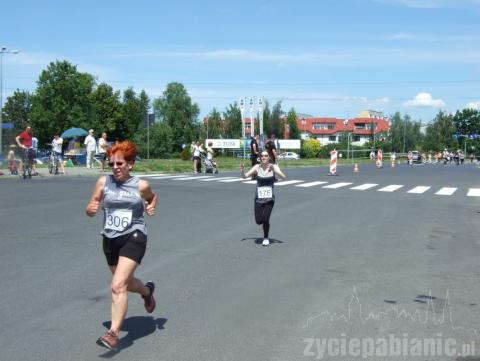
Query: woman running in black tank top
(264,196)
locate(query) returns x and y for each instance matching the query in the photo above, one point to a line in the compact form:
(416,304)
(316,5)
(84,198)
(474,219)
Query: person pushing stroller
(210,163)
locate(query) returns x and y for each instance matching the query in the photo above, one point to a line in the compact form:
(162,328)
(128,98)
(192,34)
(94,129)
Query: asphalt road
(344,264)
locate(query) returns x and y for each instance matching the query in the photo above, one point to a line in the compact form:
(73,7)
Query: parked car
(416,157)
(289,156)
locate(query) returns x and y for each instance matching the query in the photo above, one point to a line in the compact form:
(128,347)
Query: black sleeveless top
(265,181)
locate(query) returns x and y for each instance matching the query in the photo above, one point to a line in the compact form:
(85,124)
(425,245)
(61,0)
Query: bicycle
(27,163)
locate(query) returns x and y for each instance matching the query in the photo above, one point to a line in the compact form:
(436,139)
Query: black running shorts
(132,245)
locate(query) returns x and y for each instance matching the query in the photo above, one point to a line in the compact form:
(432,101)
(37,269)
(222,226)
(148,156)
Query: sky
(325,58)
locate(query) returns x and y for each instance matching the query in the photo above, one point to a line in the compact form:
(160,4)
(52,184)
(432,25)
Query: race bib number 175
(265,192)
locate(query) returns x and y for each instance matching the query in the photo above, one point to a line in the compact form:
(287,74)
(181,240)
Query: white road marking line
(250,182)
(215,179)
(167,177)
(364,186)
(446,191)
(390,188)
(337,185)
(284,183)
(151,175)
(310,184)
(195,177)
(419,189)
(232,180)
(473,192)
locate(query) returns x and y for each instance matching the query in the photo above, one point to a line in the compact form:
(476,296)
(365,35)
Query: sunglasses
(118,164)
(264,155)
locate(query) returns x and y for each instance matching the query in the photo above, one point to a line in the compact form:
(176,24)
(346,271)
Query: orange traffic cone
(355,168)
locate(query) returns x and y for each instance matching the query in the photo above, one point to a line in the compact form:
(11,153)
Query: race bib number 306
(118,220)
(265,192)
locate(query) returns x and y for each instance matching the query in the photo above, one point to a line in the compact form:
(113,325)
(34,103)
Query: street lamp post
(2,51)
(304,123)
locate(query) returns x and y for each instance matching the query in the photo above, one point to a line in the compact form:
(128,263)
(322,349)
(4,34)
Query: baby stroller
(210,164)
(12,163)
(13,166)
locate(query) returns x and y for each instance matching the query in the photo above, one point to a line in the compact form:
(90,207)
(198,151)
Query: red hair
(127,148)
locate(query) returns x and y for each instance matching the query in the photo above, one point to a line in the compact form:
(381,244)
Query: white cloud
(473,105)
(401,36)
(424,100)
(433,4)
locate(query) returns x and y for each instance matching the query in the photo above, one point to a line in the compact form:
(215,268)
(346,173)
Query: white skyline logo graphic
(431,315)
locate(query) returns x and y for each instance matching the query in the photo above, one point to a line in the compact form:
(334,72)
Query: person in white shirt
(57,143)
(91,145)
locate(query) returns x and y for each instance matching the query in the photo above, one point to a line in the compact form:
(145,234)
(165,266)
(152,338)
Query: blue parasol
(74,132)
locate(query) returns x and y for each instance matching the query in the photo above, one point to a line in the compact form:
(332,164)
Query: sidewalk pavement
(80,171)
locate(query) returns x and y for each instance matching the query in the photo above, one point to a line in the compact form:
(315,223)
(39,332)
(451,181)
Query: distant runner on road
(265,196)
(124,199)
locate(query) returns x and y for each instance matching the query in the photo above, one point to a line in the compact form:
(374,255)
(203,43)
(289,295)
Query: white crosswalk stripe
(215,179)
(310,184)
(365,186)
(337,185)
(473,192)
(154,175)
(194,177)
(443,191)
(446,191)
(419,189)
(390,188)
(232,180)
(167,177)
(284,183)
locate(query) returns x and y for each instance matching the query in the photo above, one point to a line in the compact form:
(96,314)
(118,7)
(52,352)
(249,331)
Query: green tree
(404,135)
(106,112)
(175,107)
(292,123)
(212,128)
(61,100)
(310,148)
(233,121)
(276,120)
(267,118)
(17,109)
(440,133)
(161,141)
(134,111)
(467,123)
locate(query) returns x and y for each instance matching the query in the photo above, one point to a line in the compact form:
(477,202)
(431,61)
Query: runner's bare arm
(97,194)
(278,172)
(149,196)
(250,172)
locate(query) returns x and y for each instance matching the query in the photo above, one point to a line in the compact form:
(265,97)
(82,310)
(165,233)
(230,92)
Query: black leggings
(262,215)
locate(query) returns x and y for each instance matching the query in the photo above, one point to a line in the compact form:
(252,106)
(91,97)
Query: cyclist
(57,143)
(24,141)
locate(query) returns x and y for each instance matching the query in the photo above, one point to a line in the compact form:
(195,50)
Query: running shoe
(266,242)
(149,300)
(110,341)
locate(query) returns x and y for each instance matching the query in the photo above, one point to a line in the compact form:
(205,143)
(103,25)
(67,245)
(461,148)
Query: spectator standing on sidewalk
(254,153)
(91,145)
(57,144)
(102,150)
